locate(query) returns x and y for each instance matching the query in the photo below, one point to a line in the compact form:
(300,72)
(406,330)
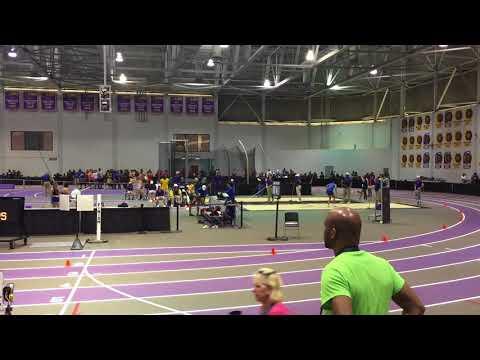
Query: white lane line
(134,297)
(249,289)
(6,194)
(74,289)
(441,303)
(36,194)
(173,254)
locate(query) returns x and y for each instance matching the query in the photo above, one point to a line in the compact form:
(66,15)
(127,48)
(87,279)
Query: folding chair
(291,221)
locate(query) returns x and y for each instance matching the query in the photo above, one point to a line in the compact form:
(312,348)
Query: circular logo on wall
(458,136)
(448,137)
(448,116)
(419,158)
(411,158)
(412,140)
(458,158)
(426,139)
(419,121)
(411,122)
(419,139)
(405,140)
(469,113)
(439,117)
(447,159)
(468,135)
(439,138)
(467,157)
(404,158)
(404,123)
(427,120)
(426,158)
(458,115)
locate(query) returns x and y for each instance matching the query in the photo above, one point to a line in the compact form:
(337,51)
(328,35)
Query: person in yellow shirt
(164,182)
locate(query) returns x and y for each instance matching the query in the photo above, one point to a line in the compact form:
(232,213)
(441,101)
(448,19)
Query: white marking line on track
(36,194)
(134,297)
(249,289)
(74,289)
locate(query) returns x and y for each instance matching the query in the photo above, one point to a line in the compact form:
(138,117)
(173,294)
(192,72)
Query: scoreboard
(11,215)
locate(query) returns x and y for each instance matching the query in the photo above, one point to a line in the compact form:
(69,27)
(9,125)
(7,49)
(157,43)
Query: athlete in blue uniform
(331,189)
(418,187)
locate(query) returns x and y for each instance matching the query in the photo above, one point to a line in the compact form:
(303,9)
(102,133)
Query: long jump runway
(442,265)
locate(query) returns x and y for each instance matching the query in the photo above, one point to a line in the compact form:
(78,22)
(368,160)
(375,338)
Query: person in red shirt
(267,290)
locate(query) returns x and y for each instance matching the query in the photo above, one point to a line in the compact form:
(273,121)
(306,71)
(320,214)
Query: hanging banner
(404,143)
(12,100)
(404,125)
(176,104)
(438,160)
(467,160)
(70,102)
(447,160)
(140,103)
(468,137)
(458,138)
(448,139)
(448,119)
(49,102)
(419,123)
(426,141)
(418,163)
(404,160)
(439,141)
(156,104)
(208,105)
(411,124)
(411,159)
(426,122)
(87,102)
(458,118)
(468,116)
(411,142)
(30,101)
(439,122)
(123,103)
(457,160)
(419,142)
(426,160)
(191,105)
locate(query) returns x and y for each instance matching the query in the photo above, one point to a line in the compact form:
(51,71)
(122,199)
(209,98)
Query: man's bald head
(342,228)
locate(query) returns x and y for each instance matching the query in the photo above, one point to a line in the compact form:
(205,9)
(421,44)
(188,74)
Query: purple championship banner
(30,101)
(192,105)
(156,104)
(70,102)
(49,101)
(123,103)
(12,100)
(87,102)
(208,105)
(140,103)
(176,104)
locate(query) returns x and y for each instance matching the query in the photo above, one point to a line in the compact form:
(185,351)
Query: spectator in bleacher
(464,178)
(55,199)
(364,188)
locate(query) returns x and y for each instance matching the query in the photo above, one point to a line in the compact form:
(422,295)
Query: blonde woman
(267,290)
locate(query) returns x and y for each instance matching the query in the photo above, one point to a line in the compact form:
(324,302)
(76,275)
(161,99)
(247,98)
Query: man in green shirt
(356,282)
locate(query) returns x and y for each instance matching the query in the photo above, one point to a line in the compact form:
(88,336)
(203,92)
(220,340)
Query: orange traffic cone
(68,263)
(273,251)
(76,309)
(444,226)
(385,238)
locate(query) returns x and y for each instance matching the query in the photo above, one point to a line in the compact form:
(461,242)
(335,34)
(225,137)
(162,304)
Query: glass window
(31,140)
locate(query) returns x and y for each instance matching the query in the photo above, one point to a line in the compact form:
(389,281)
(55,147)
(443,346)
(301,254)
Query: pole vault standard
(276,193)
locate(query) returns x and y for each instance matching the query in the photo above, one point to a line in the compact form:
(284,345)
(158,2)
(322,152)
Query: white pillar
(60,141)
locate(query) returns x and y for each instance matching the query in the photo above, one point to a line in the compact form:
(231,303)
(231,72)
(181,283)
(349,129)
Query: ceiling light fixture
(224,46)
(374,72)
(12,53)
(122,79)
(210,62)
(443,46)
(310,55)
(266,83)
(119,57)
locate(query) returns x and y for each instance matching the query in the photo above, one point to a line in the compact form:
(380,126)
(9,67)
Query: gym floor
(208,271)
